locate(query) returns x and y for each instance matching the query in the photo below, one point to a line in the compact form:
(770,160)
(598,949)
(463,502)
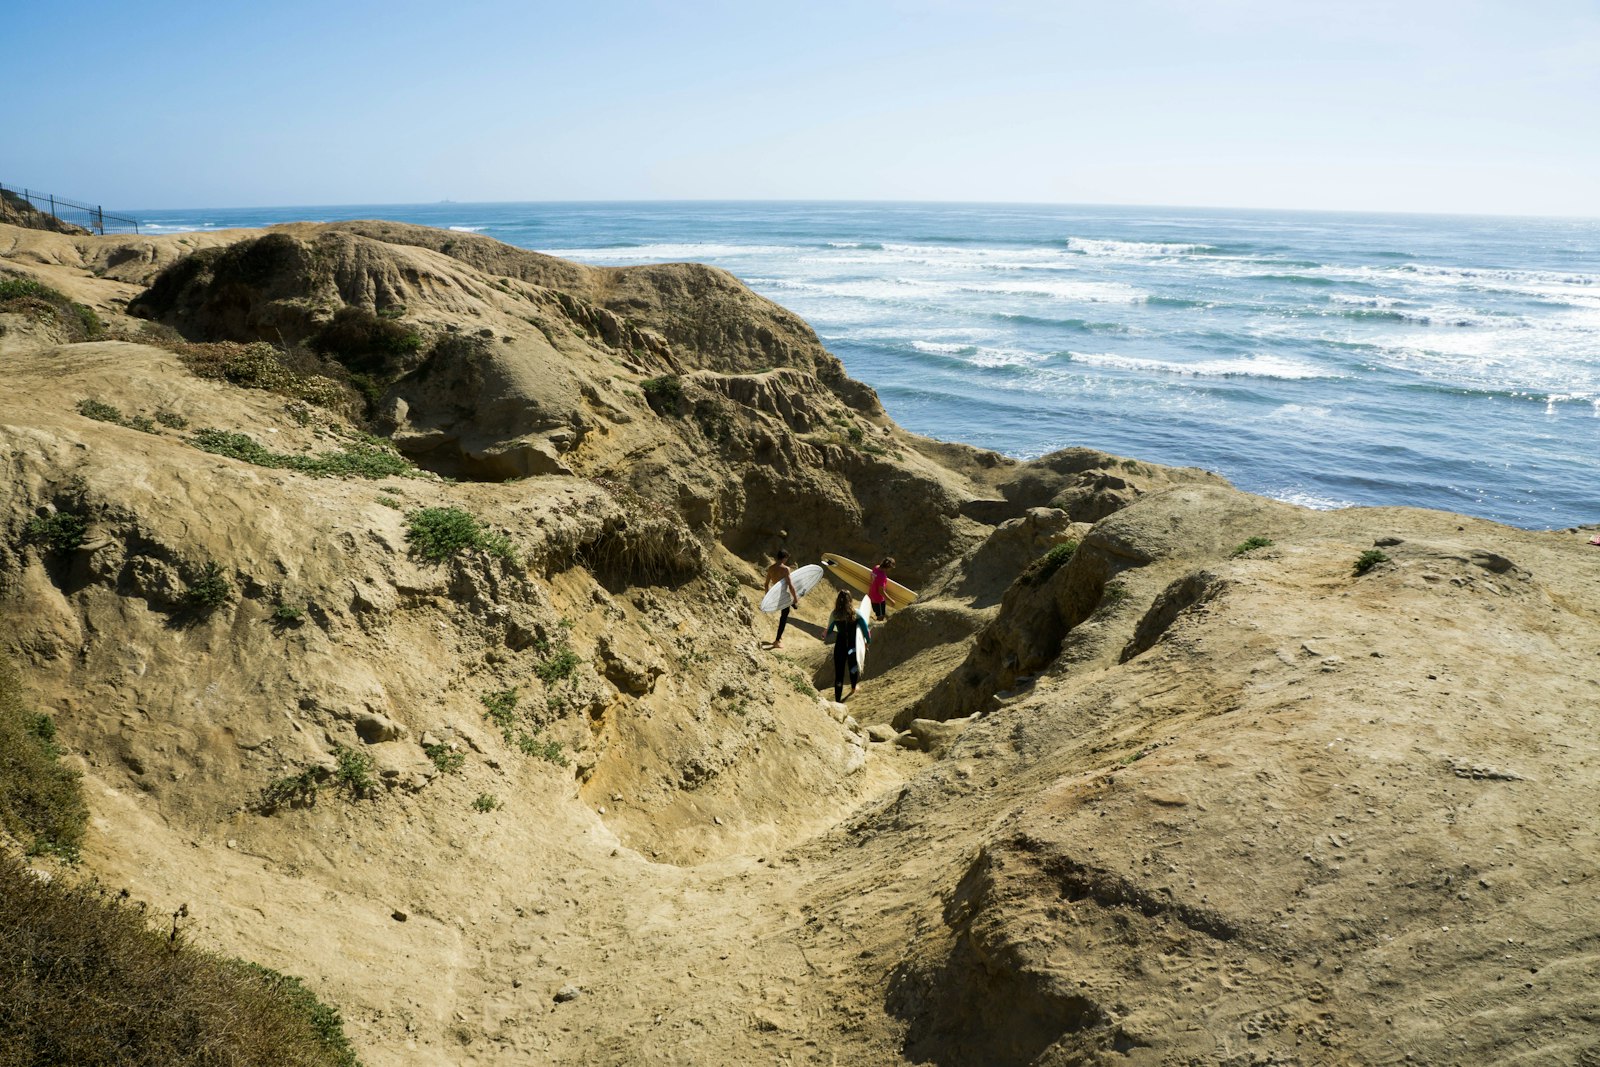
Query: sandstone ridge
(1149,774)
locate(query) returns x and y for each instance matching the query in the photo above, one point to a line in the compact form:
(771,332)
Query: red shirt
(880,582)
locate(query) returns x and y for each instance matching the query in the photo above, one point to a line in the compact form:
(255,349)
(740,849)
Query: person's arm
(788,579)
(866,630)
(831,622)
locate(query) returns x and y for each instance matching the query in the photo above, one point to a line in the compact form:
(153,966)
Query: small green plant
(99,410)
(801,686)
(208,590)
(542,747)
(1250,544)
(391,501)
(61,532)
(142,423)
(171,420)
(856,435)
(486,802)
(440,534)
(1368,560)
(288,614)
(560,662)
(1113,594)
(1054,560)
(500,708)
(354,772)
(447,759)
(293,790)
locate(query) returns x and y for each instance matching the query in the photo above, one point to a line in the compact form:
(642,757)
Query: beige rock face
(1164,803)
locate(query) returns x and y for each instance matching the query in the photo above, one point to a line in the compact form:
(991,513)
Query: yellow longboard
(858,577)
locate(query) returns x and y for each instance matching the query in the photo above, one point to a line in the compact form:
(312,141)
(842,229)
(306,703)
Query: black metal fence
(89,216)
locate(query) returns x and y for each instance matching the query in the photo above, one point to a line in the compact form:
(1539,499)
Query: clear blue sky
(1402,105)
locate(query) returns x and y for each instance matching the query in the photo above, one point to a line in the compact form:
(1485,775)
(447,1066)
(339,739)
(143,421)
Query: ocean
(1321,358)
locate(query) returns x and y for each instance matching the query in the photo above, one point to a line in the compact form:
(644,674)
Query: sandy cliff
(1155,800)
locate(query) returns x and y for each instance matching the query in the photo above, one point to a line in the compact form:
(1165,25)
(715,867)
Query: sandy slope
(1188,807)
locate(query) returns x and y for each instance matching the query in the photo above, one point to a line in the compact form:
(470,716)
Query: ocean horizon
(1325,358)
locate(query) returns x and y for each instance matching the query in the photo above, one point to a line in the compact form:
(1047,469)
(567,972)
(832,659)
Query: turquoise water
(1325,359)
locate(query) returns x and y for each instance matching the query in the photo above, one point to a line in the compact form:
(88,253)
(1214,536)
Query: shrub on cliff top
(84,980)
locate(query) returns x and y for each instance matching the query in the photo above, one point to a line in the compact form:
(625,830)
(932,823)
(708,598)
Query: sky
(1458,106)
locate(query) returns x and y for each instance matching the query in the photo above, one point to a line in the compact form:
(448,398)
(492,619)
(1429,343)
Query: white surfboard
(865,613)
(805,579)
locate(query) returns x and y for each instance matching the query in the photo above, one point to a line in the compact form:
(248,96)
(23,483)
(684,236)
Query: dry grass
(41,803)
(84,980)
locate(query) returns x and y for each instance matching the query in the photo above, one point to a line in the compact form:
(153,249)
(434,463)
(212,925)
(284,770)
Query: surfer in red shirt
(876,591)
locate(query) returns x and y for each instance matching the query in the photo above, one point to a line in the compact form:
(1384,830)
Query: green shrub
(209,590)
(354,772)
(500,708)
(439,534)
(41,802)
(801,686)
(364,457)
(1250,544)
(13,288)
(171,421)
(89,324)
(663,393)
(287,614)
(1053,560)
(61,532)
(143,423)
(294,790)
(486,802)
(447,759)
(560,662)
(37,300)
(257,365)
(365,342)
(85,980)
(1368,560)
(95,409)
(542,747)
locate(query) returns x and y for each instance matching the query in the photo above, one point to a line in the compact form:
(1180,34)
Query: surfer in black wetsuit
(845,621)
(779,572)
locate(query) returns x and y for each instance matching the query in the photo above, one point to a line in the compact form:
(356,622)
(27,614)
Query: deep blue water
(1326,359)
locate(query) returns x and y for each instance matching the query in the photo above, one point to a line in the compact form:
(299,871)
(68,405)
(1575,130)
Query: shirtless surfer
(779,572)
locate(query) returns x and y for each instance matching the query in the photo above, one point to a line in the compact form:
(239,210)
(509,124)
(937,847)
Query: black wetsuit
(844,651)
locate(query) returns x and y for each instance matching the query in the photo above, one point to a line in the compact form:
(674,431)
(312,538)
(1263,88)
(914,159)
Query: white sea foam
(1300,412)
(674,253)
(1081,291)
(1090,246)
(1305,499)
(980,355)
(467,229)
(1277,367)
